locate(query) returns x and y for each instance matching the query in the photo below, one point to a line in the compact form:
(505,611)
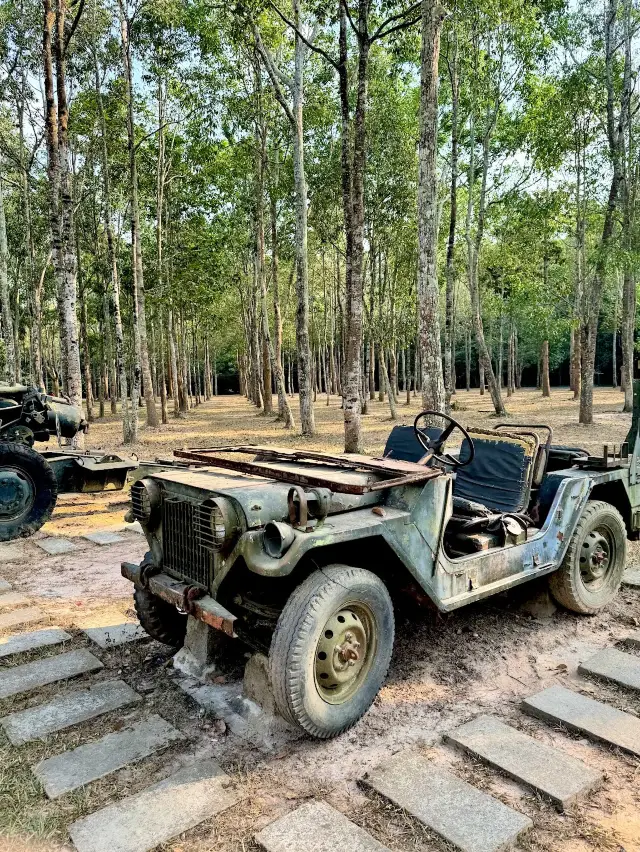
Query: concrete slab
(28,615)
(593,718)
(157,814)
(631,577)
(467,818)
(12,551)
(323,828)
(556,775)
(614,666)
(11,599)
(5,586)
(115,634)
(80,766)
(56,546)
(49,670)
(31,641)
(103,537)
(67,710)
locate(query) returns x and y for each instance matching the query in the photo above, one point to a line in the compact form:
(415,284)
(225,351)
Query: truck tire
(28,491)
(591,572)
(331,649)
(160,619)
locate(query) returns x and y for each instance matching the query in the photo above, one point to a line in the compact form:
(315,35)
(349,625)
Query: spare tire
(28,491)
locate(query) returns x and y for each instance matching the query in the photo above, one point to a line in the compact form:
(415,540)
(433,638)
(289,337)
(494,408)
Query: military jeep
(302,554)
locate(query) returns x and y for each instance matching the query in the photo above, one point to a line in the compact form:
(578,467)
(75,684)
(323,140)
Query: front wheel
(331,649)
(591,571)
(28,491)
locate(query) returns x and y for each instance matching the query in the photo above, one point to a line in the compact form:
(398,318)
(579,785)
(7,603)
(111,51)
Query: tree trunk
(136,237)
(545,383)
(7,318)
(433,389)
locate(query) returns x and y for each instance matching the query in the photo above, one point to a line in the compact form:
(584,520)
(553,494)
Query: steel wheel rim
(597,558)
(17,493)
(345,652)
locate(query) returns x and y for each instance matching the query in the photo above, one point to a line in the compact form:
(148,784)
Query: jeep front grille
(140,502)
(184,553)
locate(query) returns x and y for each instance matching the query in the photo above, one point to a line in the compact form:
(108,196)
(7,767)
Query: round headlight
(218,523)
(145,500)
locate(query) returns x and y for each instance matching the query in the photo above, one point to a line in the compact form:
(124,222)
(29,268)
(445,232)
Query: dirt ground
(446,669)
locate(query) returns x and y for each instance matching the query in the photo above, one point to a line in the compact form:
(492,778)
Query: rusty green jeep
(303,554)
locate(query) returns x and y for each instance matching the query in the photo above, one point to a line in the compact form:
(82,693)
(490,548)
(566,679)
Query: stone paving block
(631,577)
(11,599)
(31,641)
(548,770)
(67,710)
(12,551)
(5,586)
(157,814)
(115,634)
(469,819)
(593,718)
(80,766)
(20,616)
(56,546)
(103,537)
(323,828)
(615,666)
(49,670)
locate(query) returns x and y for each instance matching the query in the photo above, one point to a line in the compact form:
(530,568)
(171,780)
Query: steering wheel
(435,445)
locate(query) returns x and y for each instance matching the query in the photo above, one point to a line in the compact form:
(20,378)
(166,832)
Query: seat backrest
(501,472)
(403,444)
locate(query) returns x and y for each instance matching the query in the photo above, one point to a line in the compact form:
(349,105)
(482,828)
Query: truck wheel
(160,619)
(331,649)
(28,491)
(591,571)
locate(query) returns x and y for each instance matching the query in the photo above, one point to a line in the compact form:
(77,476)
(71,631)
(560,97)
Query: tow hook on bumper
(205,609)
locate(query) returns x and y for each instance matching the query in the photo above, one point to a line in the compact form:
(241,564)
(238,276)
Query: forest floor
(446,669)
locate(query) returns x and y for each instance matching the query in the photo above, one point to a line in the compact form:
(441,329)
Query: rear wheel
(591,571)
(160,619)
(331,649)
(28,491)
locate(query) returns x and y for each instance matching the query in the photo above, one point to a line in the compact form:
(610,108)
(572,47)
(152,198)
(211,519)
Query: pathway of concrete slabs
(27,615)
(469,819)
(162,811)
(316,827)
(67,710)
(72,769)
(22,642)
(615,666)
(578,713)
(556,775)
(39,673)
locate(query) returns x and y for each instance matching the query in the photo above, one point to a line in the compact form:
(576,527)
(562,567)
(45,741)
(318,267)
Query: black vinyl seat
(402,443)
(500,475)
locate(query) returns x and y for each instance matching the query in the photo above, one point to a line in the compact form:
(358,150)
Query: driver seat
(499,478)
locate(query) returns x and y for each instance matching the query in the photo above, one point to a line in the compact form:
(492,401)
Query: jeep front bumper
(205,609)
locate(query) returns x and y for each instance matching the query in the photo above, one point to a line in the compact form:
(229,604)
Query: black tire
(28,491)
(586,581)
(295,664)
(160,619)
